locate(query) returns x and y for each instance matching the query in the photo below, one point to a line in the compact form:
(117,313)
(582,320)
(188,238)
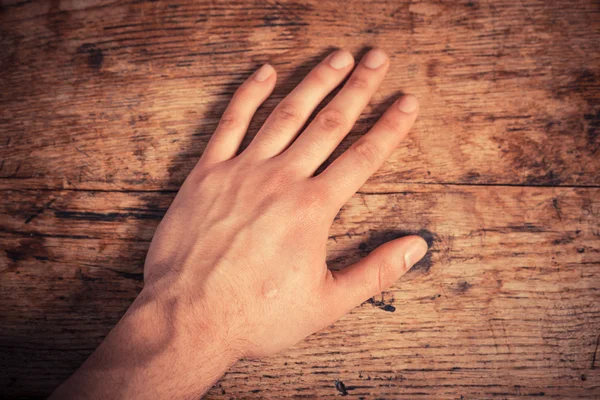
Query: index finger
(352,169)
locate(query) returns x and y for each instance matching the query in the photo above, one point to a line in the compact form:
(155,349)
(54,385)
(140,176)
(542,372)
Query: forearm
(151,355)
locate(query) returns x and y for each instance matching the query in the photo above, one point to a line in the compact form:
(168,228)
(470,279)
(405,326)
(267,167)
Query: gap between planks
(358,192)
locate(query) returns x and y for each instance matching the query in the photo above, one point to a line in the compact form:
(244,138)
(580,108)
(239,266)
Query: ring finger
(334,122)
(282,126)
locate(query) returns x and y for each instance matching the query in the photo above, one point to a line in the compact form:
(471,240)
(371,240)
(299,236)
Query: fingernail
(374,59)
(340,59)
(408,104)
(263,73)
(416,250)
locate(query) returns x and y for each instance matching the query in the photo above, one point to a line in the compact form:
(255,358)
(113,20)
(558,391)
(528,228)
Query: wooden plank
(115,102)
(105,95)
(505,306)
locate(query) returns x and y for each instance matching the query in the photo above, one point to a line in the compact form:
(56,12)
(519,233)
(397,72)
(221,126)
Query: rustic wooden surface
(105,106)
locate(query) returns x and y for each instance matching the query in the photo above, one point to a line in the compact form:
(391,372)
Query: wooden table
(105,106)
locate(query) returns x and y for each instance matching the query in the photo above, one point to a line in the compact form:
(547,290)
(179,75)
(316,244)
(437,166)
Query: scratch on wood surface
(40,211)
(593,366)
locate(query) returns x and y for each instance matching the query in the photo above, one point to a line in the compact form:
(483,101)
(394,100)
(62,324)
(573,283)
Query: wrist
(190,325)
(153,353)
(177,322)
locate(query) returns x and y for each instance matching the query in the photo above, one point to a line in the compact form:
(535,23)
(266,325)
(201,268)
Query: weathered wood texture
(105,106)
(506,304)
(102,95)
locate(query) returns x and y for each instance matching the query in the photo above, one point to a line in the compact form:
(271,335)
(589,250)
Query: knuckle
(229,120)
(320,77)
(358,82)
(314,198)
(274,184)
(279,179)
(287,112)
(331,120)
(366,153)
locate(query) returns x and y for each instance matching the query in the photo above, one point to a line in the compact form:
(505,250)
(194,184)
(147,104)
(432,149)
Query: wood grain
(506,305)
(125,95)
(105,107)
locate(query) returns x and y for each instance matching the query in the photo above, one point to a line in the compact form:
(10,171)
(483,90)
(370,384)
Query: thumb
(376,272)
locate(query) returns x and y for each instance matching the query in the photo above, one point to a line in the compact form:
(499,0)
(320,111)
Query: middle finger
(334,122)
(282,126)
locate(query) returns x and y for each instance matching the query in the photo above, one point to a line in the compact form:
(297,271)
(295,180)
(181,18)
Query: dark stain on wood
(462,287)
(40,211)
(30,247)
(339,385)
(85,278)
(107,217)
(383,304)
(432,68)
(593,130)
(95,56)
(563,240)
(139,277)
(595,353)
(471,176)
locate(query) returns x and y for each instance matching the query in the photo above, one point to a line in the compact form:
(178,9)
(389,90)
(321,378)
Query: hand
(238,262)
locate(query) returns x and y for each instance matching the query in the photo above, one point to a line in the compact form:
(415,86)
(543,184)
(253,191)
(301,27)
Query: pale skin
(237,267)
